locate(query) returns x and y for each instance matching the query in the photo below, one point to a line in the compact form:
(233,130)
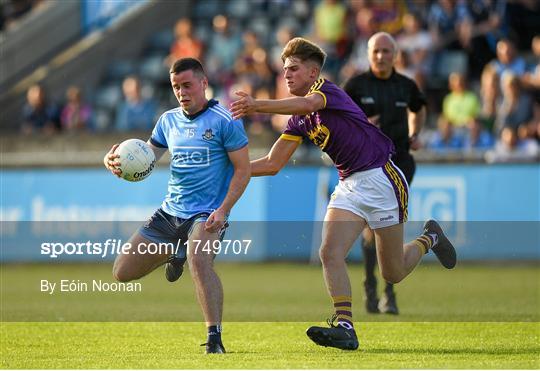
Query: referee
(394,103)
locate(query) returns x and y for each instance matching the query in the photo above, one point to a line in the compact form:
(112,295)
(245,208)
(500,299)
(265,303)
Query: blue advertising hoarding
(492,212)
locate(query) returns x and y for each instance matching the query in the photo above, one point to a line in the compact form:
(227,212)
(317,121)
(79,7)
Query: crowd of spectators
(506,119)
(478,65)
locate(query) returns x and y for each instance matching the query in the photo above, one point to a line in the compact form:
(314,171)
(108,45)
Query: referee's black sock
(370,260)
(214,334)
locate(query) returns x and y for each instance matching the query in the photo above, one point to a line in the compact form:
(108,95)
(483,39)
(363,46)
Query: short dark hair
(185,64)
(305,50)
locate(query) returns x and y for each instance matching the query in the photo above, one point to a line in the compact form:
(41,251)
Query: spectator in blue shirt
(225,45)
(516,108)
(508,61)
(509,148)
(477,138)
(39,115)
(135,113)
(446,139)
(445,18)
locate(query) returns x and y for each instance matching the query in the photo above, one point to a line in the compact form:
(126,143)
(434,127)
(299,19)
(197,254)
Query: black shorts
(405,163)
(164,228)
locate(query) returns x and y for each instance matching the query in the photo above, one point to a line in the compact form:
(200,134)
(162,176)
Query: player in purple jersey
(371,190)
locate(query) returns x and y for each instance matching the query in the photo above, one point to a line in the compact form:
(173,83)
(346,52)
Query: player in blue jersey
(371,190)
(209,171)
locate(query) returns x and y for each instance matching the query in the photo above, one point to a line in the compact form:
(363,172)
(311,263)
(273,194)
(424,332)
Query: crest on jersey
(208,135)
(319,135)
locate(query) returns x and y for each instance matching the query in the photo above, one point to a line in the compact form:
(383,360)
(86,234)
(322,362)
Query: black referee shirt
(390,99)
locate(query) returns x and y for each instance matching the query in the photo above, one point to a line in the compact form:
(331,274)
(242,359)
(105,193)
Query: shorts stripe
(399,190)
(401,183)
(404,192)
(396,190)
(405,188)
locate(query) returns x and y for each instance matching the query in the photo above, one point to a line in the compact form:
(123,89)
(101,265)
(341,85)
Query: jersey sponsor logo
(208,135)
(401,104)
(190,156)
(389,217)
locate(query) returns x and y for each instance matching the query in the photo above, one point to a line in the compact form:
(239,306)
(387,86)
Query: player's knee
(392,277)
(329,256)
(120,274)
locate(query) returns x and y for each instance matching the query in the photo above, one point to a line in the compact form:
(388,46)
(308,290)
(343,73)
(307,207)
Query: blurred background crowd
(477,61)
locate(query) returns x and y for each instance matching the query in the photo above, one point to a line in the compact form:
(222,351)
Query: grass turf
(268,345)
(490,316)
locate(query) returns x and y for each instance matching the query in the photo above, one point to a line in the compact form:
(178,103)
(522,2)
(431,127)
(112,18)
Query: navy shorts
(164,228)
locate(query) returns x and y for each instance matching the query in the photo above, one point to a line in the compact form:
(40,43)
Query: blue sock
(214,334)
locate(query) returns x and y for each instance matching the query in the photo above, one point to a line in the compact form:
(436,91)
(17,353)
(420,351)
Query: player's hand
(414,143)
(244,106)
(215,221)
(111,161)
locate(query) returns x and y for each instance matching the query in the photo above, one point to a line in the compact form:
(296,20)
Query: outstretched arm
(276,159)
(246,105)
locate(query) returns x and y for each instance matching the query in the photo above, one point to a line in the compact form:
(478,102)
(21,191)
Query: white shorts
(380,196)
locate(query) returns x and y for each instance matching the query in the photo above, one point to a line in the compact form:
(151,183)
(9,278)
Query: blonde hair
(305,50)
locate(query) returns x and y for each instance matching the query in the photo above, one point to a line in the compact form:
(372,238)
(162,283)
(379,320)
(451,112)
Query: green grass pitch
(476,316)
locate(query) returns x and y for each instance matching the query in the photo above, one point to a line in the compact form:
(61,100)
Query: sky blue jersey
(200,167)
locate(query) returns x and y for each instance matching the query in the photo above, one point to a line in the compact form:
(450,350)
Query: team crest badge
(208,135)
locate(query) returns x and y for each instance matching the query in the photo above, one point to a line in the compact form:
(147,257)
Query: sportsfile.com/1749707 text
(115,247)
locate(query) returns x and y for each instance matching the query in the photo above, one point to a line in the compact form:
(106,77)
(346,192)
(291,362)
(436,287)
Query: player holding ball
(205,142)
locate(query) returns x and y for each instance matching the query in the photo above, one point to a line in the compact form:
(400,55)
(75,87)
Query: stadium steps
(84,63)
(34,39)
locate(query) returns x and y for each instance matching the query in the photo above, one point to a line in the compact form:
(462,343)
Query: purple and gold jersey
(341,130)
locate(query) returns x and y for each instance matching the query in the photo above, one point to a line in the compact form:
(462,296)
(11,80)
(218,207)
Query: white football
(136,159)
